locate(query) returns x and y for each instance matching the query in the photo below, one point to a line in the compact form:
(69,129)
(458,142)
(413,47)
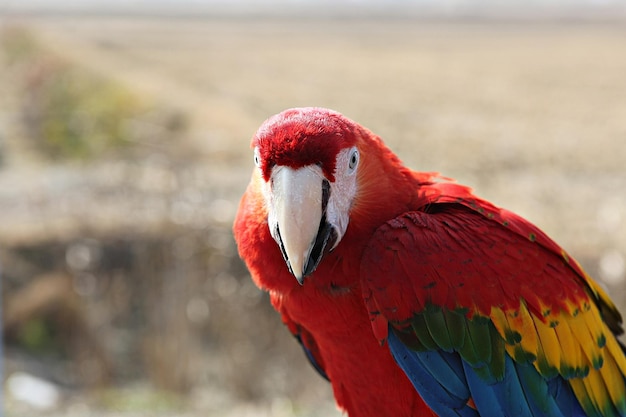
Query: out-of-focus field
(139,304)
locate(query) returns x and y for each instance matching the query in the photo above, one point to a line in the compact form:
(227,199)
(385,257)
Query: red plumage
(295,139)
(468,255)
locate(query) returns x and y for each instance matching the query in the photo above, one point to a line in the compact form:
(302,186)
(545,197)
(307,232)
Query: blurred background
(124,149)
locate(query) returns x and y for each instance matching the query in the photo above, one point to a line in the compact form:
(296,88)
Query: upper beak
(300,197)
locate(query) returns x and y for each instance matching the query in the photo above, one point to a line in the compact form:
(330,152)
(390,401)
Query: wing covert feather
(436,276)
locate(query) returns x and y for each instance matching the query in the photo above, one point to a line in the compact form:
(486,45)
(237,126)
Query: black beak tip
(324,241)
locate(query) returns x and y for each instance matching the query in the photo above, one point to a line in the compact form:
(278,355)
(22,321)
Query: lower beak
(299,221)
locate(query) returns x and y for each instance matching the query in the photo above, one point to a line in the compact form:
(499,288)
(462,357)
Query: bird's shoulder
(456,249)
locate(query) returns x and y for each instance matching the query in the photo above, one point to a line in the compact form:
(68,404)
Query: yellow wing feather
(585,338)
(526,325)
(597,390)
(614,381)
(571,355)
(616,351)
(584,396)
(550,349)
(576,343)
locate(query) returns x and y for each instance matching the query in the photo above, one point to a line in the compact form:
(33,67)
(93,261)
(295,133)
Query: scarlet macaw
(410,293)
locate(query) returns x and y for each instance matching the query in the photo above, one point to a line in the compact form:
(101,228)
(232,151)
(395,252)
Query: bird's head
(308,160)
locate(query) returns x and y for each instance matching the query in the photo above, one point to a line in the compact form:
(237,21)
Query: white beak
(297,217)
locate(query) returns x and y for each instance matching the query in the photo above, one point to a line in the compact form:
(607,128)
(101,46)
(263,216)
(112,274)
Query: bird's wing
(311,351)
(488,316)
(302,335)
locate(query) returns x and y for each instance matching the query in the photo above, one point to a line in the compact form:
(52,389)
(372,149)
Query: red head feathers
(304,136)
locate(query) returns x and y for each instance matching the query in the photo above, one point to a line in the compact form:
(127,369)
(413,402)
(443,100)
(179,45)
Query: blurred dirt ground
(121,282)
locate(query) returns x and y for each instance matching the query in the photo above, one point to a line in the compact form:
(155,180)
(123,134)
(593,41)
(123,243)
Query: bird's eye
(257,157)
(354,160)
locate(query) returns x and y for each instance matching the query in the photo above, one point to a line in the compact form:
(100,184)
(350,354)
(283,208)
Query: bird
(413,296)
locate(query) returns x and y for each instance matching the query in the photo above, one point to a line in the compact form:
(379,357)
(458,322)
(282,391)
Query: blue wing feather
(510,394)
(311,357)
(431,387)
(446,382)
(483,395)
(449,370)
(563,395)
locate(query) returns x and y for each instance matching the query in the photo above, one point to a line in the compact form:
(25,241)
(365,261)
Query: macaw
(412,295)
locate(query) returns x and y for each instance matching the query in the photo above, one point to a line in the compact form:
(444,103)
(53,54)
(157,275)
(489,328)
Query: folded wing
(488,316)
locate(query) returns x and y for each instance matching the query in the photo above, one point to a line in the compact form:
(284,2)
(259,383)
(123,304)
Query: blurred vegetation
(154,401)
(75,115)
(67,111)
(18,44)
(36,335)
